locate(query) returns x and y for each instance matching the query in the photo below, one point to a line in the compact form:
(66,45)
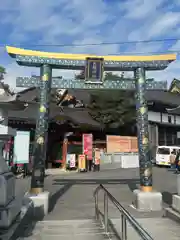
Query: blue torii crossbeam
(124,84)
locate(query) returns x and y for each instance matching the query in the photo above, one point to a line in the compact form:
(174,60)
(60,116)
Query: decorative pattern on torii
(94,68)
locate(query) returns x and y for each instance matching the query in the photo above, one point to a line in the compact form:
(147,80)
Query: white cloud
(81,22)
(138,9)
(9,5)
(14,71)
(176,46)
(163,24)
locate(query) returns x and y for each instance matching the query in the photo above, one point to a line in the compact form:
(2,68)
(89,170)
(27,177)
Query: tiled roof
(174,110)
(151,95)
(31,94)
(175,85)
(10,98)
(79,116)
(164,97)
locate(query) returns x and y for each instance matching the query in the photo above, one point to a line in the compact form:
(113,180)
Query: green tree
(80,75)
(112,76)
(107,75)
(113,110)
(2,72)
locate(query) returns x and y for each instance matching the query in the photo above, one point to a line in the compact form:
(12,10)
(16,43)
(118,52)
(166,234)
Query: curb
(60,172)
(172,214)
(23,219)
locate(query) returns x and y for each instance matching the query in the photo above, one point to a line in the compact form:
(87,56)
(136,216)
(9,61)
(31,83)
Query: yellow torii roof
(20,51)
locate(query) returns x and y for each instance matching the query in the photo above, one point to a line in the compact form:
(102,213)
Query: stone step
(158,228)
(78,222)
(69,237)
(70,227)
(67,229)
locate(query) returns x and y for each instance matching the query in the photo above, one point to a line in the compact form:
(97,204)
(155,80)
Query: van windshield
(165,151)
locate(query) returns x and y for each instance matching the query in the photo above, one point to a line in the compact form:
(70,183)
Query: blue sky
(36,22)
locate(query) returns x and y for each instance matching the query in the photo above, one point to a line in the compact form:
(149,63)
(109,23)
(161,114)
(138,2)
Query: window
(174,151)
(164,151)
(169,119)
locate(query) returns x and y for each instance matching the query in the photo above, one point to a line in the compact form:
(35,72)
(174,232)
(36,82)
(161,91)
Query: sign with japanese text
(88,145)
(81,162)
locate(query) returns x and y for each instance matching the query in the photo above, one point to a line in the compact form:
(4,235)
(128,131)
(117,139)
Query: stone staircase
(158,228)
(65,229)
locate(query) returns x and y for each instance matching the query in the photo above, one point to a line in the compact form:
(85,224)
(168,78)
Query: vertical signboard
(71,160)
(21,147)
(94,70)
(88,145)
(81,162)
(64,152)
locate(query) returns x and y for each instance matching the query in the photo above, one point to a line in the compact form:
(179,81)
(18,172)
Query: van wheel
(159,166)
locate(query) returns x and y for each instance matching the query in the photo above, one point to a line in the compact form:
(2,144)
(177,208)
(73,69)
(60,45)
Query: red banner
(88,145)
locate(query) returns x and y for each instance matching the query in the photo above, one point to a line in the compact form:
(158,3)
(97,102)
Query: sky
(30,24)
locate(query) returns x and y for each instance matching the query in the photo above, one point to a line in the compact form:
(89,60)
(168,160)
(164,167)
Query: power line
(142,53)
(93,44)
(107,43)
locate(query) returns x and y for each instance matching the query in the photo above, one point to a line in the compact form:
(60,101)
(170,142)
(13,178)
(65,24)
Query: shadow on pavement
(94,181)
(56,196)
(26,228)
(28,224)
(133,185)
(167,197)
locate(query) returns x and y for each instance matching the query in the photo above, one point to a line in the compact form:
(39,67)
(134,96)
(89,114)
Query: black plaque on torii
(94,70)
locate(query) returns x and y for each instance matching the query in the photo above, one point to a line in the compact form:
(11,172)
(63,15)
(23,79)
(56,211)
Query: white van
(163,154)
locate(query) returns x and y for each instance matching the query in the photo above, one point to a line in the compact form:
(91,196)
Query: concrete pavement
(72,196)
(22,186)
(120,182)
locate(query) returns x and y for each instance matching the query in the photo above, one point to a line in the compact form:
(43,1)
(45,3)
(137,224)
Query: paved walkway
(72,195)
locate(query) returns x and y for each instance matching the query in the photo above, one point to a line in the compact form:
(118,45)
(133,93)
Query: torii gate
(94,67)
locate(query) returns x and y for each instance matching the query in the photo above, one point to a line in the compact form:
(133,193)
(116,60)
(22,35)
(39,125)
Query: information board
(118,144)
(21,147)
(71,160)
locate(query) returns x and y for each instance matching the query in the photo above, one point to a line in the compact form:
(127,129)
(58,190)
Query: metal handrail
(125,215)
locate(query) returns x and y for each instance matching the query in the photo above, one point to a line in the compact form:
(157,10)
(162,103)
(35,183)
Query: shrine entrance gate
(94,67)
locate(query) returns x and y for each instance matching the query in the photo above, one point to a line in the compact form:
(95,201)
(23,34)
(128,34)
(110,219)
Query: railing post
(96,206)
(123,227)
(106,212)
